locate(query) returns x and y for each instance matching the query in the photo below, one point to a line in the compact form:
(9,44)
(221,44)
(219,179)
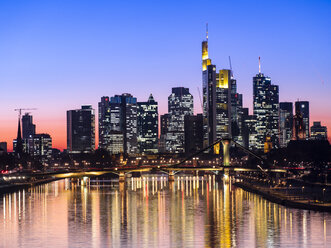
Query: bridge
(171,169)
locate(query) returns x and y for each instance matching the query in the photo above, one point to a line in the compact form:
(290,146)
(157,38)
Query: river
(150,212)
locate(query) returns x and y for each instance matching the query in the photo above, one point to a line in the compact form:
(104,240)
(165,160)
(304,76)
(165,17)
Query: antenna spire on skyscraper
(207,31)
(259,65)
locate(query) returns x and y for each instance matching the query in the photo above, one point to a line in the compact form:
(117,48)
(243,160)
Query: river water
(150,212)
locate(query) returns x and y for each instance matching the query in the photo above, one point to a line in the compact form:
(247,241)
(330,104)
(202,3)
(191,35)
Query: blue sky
(58,55)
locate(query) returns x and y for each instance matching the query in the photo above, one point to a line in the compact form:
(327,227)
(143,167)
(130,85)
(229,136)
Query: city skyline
(53,89)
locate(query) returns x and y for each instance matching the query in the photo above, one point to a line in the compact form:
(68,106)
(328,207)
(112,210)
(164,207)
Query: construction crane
(20,111)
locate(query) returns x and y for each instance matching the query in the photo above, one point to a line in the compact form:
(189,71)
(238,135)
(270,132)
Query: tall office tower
(3,146)
(164,126)
(250,132)
(285,123)
(28,128)
(148,128)
(299,131)
(303,108)
(40,145)
(266,108)
(180,103)
(318,132)
(216,99)
(81,130)
(104,117)
(193,133)
(123,110)
(110,134)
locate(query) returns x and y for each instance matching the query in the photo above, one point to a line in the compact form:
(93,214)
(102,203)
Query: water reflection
(150,211)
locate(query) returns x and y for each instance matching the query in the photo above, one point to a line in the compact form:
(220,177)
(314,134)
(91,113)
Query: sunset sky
(59,55)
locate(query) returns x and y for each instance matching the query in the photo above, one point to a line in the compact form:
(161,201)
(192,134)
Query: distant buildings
(81,130)
(147,124)
(180,104)
(318,132)
(266,107)
(302,107)
(285,123)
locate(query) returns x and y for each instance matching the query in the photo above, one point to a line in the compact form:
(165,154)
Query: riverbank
(8,188)
(283,199)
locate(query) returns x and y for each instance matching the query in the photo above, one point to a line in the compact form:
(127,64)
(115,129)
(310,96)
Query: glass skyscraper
(285,123)
(216,90)
(180,104)
(266,108)
(147,124)
(81,130)
(303,108)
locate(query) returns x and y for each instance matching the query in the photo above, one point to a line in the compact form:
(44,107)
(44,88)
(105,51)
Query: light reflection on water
(151,212)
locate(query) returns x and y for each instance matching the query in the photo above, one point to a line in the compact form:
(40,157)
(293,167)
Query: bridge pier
(171,176)
(226,152)
(121,177)
(196,173)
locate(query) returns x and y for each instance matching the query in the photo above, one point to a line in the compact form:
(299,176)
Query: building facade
(147,124)
(81,130)
(180,104)
(285,123)
(28,128)
(216,95)
(193,133)
(303,108)
(266,111)
(318,132)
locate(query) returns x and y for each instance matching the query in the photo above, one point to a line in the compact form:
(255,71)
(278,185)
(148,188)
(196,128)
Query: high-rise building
(180,104)
(124,120)
(40,145)
(249,132)
(216,89)
(28,128)
(285,123)
(303,108)
(266,108)
(3,146)
(104,117)
(299,131)
(193,133)
(81,130)
(148,128)
(164,126)
(318,132)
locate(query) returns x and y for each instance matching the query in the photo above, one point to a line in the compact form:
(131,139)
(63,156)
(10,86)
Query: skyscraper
(180,104)
(104,116)
(303,108)
(266,108)
(216,89)
(40,145)
(148,128)
(285,123)
(81,130)
(193,133)
(123,110)
(28,128)
(318,132)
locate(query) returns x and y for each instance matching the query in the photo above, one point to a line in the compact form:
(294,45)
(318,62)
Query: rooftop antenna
(259,65)
(230,66)
(207,31)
